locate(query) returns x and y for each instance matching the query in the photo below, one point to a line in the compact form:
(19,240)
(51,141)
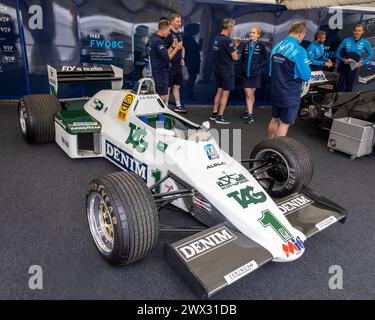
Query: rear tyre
(122,217)
(36,115)
(294,167)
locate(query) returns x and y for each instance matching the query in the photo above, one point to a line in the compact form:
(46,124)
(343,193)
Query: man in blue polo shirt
(349,52)
(225,55)
(161,58)
(289,67)
(315,52)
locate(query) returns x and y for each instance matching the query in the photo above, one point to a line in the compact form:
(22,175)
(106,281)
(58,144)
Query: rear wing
(71,74)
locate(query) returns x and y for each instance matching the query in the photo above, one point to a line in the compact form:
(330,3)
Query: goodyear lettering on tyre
(126,104)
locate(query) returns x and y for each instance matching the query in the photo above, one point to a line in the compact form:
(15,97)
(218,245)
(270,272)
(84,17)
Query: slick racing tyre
(285,161)
(122,217)
(36,115)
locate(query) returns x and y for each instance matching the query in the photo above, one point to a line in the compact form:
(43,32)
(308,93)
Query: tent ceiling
(308,4)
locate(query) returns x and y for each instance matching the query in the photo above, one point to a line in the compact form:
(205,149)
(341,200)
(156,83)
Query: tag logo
(246,197)
(137,138)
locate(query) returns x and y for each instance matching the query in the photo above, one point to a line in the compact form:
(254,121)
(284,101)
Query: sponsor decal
(52,78)
(148,97)
(96,104)
(93,123)
(326,223)
(202,204)
(204,244)
(246,197)
(241,272)
(211,152)
(81,69)
(295,246)
(217,164)
(318,77)
(294,204)
(85,127)
(125,160)
(65,142)
(126,104)
(231,180)
(161,146)
(269,220)
(136,138)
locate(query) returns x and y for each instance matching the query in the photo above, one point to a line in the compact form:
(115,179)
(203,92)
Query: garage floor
(43,223)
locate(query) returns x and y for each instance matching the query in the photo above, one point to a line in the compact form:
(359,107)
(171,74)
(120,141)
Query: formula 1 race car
(322,103)
(250,213)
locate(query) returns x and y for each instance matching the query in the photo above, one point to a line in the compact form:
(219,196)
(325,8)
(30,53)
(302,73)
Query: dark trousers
(347,78)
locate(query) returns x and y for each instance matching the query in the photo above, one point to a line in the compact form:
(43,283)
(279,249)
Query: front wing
(215,258)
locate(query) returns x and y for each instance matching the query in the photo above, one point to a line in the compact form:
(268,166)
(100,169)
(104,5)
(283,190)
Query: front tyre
(122,217)
(292,166)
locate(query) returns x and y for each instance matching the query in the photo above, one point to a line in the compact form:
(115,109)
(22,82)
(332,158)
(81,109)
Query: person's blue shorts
(175,76)
(286,115)
(161,79)
(226,82)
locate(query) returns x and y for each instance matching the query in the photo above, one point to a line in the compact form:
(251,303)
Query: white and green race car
(250,212)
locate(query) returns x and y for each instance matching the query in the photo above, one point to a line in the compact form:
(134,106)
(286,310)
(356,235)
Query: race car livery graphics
(326,223)
(246,197)
(136,138)
(295,246)
(241,272)
(201,246)
(126,104)
(269,220)
(231,180)
(211,152)
(200,203)
(125,160)
(294,204)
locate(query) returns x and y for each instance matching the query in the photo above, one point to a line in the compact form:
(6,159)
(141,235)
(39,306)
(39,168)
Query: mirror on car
(206,125)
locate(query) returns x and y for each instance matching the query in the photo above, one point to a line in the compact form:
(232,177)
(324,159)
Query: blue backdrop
(116,32)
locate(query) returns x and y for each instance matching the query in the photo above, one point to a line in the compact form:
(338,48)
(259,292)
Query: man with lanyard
(161,59)
(225,55)
(289,67)
(349,54)
(175,73)
(315,52)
